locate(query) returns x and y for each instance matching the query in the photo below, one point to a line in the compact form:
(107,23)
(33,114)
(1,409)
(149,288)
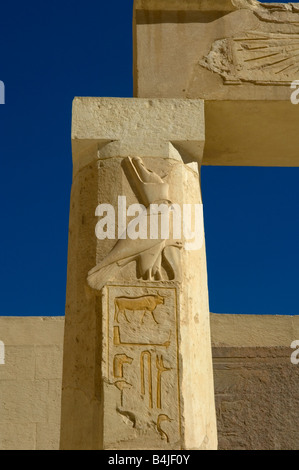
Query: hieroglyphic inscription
(147,355)
(160,369)
(122,385)
(118,342)
(141,331)
(160,420)
(118,364)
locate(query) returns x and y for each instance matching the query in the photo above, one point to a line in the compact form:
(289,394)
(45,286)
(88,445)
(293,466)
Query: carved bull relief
(145,304)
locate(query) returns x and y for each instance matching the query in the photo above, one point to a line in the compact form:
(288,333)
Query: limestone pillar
(137,354)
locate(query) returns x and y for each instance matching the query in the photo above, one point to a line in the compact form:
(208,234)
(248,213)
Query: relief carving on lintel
(258,57)
(287,13)
(267,55)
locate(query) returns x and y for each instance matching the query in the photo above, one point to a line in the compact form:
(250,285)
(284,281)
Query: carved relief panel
(155,253)
(141,363)
(259,57)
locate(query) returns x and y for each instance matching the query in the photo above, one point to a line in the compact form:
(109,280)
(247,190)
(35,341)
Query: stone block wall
(30,382)
(256,385)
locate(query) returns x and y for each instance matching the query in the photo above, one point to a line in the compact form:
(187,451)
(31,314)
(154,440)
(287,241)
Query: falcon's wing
(124,251)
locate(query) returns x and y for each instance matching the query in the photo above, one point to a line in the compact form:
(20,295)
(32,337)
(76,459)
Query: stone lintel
(179,5)
(241,62)
(235,50)
(252,133)
(212,5)
(121,127)
(254,331)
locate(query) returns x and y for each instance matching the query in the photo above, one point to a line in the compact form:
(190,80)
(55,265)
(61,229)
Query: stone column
(137,355)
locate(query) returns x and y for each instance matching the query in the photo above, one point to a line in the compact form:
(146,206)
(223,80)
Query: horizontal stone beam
(215,50)
(252,133)
(170,5)
(236,55)
(104,127)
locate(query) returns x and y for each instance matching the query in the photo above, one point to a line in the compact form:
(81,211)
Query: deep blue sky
(51,52)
